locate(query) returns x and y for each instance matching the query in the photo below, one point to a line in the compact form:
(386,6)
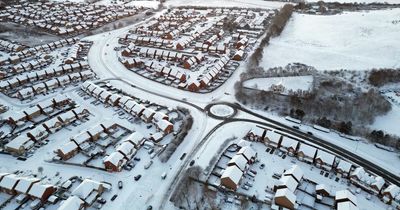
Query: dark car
(114,197)
(137,177)
(191,163)
(137,158)
(310,133)
(150,207)
(296,127)
(120,185)
(183,156)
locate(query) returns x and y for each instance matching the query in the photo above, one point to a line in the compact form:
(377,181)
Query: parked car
(164,175)
(148,164)
(137,158)
(137,177)
(120,185)
(183,156)
(262,166)
(101,200)
(114,197)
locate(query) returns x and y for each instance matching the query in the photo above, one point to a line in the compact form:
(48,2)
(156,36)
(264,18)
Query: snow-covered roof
(24,184)
(257,131)
(233,173)
(85,188)
(96,130)
(9,181)
(243,143)
(81,137)
(325,157)
(286,193)
(37,190)
(346,195)
(114,158)
(289,142)
(126,148)
(273,137)
(307,150)
(289,182)
(247,152)
(68,147)
(72,203)
(322,187)
(238,160)
(163,124)
(378,183)
(347,205)
(393,190)
(135,138)
(20,141)
(294,171)
(344,166)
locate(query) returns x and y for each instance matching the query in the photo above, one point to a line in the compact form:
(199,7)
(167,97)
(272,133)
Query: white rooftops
(289,142)
(288,182)
(72,203)
(347,205)
(238,160)
(325,157)
(85,188)
(135,138)
(287,194)
(247,152)
(9,181)
(294,171)
(307,150)
(25,183)
(233,173)
(393,190)
(68,147)
(344,166)
(114,158)
(273,137)
(345,195)
(37,190)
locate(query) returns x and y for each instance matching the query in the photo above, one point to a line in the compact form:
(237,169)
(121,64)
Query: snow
(353,40)
(359,1)
(221,110)
(227,3)
(289,83)
(390,121)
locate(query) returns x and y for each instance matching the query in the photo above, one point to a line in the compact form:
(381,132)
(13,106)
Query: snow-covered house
(289,145)
(88,191)
(127,149)
(248,153)
(306,153)
(286,182)
(68,150)
(19,145)
(41,191)
(25,184)
(343,168)
(285,198)
(136,139)
(240,161)
(345,196)
(147,115)
(114,162)
(273,139)
(391,193)
(165,126)
(324,160)
(257,134)
(38,134)
(294,171)
(231,177)
(8,184)
(72,203)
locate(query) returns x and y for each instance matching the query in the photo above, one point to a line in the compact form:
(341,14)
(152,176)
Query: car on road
(101,200)
(191,163)
(137,158)
(120,185)
(310,133)
(137,177)
(114,197)
(295,127)
(148,164)
(183,156)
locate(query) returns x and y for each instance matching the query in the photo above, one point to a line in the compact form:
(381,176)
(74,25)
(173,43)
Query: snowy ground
(353,40)
(359,1)
(227,3)
(390,122)
(289,83)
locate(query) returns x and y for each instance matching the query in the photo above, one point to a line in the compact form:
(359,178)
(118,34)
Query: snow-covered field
(353,40)
(289,83)
(391,121)
(360,1)
(227,3)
